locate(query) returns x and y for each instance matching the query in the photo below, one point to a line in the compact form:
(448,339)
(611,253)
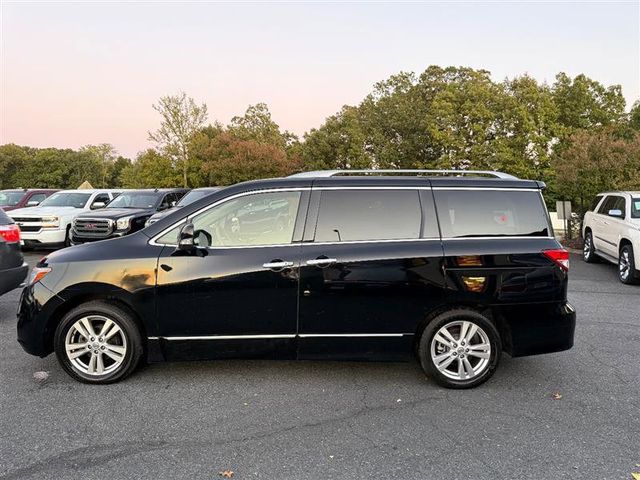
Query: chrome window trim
(280,336)
(153,241)
(489,237)
(493,189)
(356,242)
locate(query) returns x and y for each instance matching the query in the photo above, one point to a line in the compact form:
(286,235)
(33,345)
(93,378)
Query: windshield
(135,200)
(192,196)
(67,199)
(10,199)
(635,207)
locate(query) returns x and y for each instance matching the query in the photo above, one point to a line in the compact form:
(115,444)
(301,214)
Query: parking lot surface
(573,414)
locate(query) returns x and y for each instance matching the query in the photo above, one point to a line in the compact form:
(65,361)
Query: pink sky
(76,74)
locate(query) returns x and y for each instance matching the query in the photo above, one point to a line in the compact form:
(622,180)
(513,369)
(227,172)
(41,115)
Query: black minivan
(451,267)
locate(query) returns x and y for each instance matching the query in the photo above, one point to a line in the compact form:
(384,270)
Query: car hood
(41,211)
(113,213)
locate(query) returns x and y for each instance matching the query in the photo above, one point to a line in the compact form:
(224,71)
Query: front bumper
(44,237)
(537,328)
(12,278)
(37,305)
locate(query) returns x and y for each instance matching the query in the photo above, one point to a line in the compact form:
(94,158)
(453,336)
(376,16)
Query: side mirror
(616,213)
(33,203)
(173,204)
(97,205)
(186,238)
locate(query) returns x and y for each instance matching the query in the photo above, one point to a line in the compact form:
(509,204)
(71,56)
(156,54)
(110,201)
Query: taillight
(10,233)
(559,256)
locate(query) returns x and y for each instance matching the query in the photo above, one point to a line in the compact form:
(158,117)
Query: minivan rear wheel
(460,349)
(98,342)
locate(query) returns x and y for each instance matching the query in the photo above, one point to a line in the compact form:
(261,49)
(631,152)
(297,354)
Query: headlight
(50,222)
(123,223)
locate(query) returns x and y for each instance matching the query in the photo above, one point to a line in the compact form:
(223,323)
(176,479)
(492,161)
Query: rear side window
(361,215)
(478,213)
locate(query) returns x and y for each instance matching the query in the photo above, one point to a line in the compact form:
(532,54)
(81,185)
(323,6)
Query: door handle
(321,262)
(277,265)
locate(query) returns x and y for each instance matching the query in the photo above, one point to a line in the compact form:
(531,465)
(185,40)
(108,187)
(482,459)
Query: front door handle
(277,265)
(321,262)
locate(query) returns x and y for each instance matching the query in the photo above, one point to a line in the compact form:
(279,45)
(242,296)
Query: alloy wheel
(95,345)
(461,350)
(586,250)
(624,265)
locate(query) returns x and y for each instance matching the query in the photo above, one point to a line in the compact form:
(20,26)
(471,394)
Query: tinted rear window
(477,213)
(352,215)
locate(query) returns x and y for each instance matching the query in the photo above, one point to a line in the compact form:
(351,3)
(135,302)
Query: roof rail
(456,173)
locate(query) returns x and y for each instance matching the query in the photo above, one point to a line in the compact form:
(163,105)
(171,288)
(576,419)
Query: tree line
(575,134)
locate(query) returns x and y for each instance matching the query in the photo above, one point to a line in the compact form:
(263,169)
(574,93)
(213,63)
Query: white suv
(48,224)
(611,230)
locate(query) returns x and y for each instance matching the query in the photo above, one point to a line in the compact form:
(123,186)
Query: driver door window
(249,220)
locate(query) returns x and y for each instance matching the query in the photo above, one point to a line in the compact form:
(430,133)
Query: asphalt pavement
(574,414)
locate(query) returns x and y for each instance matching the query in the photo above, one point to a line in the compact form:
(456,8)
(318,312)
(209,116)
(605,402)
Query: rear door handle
(321,262)
(277,265)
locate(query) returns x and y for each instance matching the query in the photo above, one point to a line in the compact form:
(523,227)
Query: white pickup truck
(611,231)
(48,224)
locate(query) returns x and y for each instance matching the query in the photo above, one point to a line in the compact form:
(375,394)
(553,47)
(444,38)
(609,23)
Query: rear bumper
(536,329)
(12,278)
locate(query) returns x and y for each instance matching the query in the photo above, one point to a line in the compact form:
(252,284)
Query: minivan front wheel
(460,349)
(98,342)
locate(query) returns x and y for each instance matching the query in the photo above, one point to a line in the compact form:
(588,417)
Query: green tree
(59,168)
(182,118)
(105,155)
(339,144)
(256,124)
(151,169)
(12,159)
(584,103)
(597,161)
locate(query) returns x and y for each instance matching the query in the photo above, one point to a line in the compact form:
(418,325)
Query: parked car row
(59,218)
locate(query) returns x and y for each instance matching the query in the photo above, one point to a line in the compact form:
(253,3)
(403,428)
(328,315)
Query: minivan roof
(406,181)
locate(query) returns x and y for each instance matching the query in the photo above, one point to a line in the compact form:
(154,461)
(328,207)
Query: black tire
(128,327)
(424,348)
(588,251)
(626,255)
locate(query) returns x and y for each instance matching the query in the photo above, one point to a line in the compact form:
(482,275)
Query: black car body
(318,267)
(190,197)
(13,268)
(124,215)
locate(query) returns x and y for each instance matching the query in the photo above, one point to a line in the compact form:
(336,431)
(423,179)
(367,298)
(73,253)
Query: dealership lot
(267,419)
